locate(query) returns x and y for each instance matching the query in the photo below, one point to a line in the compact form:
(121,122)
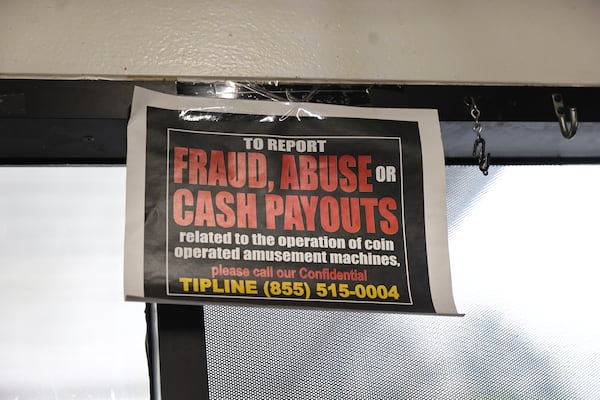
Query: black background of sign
(156,171)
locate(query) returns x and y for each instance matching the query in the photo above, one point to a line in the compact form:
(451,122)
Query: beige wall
(457,41)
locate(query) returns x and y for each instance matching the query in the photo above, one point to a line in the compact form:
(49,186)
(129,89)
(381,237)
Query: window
(524,255)
(66,331)
(524,259)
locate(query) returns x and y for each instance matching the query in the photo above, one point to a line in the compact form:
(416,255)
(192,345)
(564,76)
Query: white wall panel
(511,42)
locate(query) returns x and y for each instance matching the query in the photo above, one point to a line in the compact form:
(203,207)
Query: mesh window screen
(524,262)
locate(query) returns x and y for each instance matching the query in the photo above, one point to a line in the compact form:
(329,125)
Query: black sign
(249,208)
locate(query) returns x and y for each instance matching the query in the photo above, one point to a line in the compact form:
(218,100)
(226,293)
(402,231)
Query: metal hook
(484,164)
(473,110)
(559,110)
(484,159)
(479,144)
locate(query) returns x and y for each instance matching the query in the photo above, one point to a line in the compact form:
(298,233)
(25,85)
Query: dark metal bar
(63,141)
(182,348)
(111,99)
(153,350)
(84,121)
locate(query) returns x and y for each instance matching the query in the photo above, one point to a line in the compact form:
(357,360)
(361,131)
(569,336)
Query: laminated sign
(272,203)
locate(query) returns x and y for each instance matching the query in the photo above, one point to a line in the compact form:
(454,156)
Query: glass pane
(525,269)
(524,262)
(66,332)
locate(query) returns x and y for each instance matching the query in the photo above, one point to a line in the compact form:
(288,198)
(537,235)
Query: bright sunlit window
(525,269)
(66,332)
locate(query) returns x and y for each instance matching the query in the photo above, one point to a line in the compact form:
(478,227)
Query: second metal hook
(561,114)
(478,142)
(484,158)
